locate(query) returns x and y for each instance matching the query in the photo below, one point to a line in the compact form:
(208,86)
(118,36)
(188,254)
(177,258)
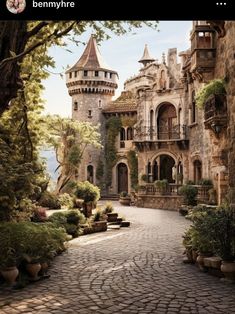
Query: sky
(120,53)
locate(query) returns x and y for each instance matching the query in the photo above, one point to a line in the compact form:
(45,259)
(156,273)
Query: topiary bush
(189,192)
(87,191)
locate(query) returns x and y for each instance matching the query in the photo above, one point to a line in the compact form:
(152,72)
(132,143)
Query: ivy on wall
(100,170)
(133,165)
(216,86)
(113,126)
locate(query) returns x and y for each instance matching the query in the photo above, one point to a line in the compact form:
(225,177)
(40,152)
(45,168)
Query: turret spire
(146,59)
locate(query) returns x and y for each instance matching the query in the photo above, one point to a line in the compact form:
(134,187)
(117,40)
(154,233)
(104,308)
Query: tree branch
(36,29)
(56,34)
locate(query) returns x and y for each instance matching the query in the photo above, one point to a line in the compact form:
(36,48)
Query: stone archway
(162,168)
(122,177)
(167,121)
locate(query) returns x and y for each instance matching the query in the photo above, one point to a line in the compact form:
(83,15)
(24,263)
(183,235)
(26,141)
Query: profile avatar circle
(16,6)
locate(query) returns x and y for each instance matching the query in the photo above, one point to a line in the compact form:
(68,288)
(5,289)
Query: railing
(176,132)
(151,189)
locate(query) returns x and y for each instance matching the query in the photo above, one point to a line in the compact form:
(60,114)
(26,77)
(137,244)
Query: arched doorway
(122,175)
(163,168)
(90,174)
(166,165)
(167,122)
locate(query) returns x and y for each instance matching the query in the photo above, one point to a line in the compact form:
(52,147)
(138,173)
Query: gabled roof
(91,58)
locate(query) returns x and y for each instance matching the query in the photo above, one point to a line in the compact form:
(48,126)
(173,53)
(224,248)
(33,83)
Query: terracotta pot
(44,268)
(33,269)
(228,269)
(10,274)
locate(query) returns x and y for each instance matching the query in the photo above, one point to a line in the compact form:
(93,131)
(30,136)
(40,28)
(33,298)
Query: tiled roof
(91,58)
(124,103)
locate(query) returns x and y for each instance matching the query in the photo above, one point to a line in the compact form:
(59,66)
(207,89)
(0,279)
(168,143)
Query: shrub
(214,87)
(144,177)
(87,191)
(161,184)
(49,200)
(26,240)
(124,194)
(108,208)
(189,192)
(66,200)
(98,215)
(75,217)
(39,214)
(69,220)
(205,182)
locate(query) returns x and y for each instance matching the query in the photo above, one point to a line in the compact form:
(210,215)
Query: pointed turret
(146,59)
(91,58)
(91,75)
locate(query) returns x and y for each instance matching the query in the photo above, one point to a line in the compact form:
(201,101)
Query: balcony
(156,137)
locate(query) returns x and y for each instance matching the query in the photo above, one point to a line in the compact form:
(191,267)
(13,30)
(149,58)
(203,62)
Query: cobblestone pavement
(133,270)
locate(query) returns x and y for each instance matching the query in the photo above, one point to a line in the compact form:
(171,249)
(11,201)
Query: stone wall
(225,68)
(160,202)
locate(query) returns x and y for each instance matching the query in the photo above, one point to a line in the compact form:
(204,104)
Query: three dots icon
(221,3)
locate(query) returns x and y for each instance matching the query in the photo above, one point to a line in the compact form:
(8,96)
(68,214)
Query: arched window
(194,109)
(129,134)
(197,170)
(122,134)
(90,173)
(167,122)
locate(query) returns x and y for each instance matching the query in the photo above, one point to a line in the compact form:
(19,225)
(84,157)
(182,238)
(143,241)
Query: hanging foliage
(113,126)
(214,87)
(133,165)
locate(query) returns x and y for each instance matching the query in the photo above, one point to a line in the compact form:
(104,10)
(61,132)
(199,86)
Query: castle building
(161,124)
(91,84)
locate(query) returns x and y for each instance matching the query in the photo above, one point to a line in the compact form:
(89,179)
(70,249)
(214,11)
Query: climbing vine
(214,87)
(133,164)
(100,170)
(113,126)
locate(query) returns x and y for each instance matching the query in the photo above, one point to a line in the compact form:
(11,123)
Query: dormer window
(105,74)
(96,73)
(70,75)
(75,73)
(111,74)
(85,73)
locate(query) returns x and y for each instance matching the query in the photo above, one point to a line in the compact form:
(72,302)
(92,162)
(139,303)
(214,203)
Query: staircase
(110,197)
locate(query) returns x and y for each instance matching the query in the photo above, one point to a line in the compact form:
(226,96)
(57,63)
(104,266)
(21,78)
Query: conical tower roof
(146,56)
(91,58)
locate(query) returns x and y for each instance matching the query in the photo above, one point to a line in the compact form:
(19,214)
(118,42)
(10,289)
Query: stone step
(114,227)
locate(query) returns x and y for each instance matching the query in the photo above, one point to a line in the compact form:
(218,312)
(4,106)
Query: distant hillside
(52,164)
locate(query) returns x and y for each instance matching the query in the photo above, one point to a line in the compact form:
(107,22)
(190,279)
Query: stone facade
(172,137)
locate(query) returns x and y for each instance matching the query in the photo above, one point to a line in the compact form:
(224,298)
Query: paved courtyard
(133,270)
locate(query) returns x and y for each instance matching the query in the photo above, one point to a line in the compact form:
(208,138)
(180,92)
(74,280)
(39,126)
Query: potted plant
(125,198)
(189,193)
(89,193)
(161,186)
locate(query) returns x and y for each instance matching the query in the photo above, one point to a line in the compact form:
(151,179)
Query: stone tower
(91,84)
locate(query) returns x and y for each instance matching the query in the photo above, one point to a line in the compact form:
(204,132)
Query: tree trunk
(12,39)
